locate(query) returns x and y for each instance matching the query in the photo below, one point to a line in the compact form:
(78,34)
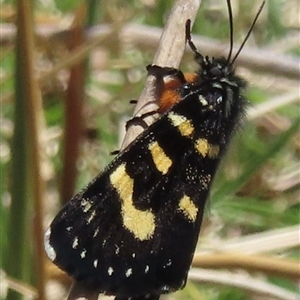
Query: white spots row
(117,249)
(48,248)
(128,272)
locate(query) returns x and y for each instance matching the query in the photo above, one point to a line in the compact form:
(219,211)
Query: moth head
(215,69)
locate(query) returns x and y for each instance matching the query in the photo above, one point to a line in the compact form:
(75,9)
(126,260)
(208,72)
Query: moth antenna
(188,37)
(249,32)
(230,30)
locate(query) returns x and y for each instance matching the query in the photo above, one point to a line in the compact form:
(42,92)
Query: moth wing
(139,219)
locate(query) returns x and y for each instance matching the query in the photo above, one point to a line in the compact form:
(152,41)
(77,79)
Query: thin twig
(269,265)
(169,53)
(35,123)
(262,242)
(146,36)
(18,286)
(243,282)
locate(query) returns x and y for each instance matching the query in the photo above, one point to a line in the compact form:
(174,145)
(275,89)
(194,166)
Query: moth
(132,231)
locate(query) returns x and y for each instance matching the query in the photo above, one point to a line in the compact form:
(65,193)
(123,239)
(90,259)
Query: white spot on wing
(128,272)
(146,269)
(110,271)
(83,253)
(49,249)
(165,288)
(91,217)
(168,264)
(95,263)
(75,242)
(96,232)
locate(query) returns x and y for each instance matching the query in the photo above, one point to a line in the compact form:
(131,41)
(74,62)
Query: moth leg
(133,101)
(114,152)
(139,120)
(161,72)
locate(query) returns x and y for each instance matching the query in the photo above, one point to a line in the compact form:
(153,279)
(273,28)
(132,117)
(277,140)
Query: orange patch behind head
(170,95)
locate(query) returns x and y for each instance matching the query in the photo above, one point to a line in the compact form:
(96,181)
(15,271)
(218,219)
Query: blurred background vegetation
(65,94)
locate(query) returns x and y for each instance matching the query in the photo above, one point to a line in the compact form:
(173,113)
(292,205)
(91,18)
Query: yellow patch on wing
(140,223)
(160,159)
(184,125)
(207,149)
(188,208)
(202,146)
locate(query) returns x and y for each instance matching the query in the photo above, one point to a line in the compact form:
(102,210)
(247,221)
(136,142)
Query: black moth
(133,230)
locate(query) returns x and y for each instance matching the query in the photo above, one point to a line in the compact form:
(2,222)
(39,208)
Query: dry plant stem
(243,282)
(146,36)
(73,111)
(268,241)
(269,265)
(35,120)
(169,53)
(20,287)
(252,58)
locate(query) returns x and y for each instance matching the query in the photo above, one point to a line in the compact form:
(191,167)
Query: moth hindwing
(133,230)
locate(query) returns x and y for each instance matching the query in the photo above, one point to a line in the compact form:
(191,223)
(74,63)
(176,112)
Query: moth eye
(186,89)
